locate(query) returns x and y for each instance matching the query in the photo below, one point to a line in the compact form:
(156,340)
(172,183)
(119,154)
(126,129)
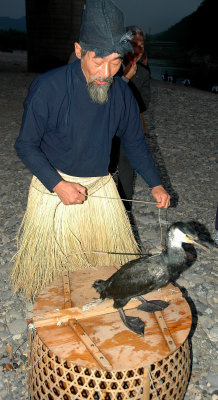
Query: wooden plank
(165,331)
(123,348)
(61,316)
(90,345)
(66,282)
(51,297)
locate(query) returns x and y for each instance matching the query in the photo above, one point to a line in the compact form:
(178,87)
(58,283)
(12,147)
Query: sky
(12,8)
(153,16)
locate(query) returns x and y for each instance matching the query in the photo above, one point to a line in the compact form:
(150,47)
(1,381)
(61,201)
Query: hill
(196,34)
(18,24)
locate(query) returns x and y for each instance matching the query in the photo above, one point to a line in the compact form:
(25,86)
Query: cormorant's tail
(100,287)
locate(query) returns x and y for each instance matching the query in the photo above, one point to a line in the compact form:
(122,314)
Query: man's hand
(162,197)
(130,70)
(70,193)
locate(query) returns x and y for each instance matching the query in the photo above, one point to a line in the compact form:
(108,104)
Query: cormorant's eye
(188,238)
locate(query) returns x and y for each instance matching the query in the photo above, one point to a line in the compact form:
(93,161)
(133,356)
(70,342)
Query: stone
(18,326)
(213,379)
(181,135)
(17,337)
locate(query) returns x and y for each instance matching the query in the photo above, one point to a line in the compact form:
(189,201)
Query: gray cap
(102,29)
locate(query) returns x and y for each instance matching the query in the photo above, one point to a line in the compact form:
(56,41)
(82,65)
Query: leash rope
(107,252)
(118,198)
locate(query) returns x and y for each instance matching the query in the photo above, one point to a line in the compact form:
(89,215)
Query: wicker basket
(70,357)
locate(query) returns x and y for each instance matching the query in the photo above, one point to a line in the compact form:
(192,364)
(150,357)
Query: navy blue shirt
(63,129)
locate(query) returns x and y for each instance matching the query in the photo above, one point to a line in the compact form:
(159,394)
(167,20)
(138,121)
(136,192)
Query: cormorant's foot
(153,305)
(135,324)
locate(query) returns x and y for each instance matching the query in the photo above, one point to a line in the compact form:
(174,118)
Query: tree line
(13,39)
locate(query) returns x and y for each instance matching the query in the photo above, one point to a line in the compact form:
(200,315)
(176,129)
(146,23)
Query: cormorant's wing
(137,277)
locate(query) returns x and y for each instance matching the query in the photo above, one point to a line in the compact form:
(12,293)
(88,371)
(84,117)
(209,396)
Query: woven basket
(70,357)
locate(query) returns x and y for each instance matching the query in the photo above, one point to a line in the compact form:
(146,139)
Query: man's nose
(106,71)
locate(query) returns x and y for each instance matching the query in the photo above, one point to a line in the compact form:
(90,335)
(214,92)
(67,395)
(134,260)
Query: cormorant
(141,276)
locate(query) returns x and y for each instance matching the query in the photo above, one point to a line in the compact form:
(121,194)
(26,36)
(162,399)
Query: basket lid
(97,337)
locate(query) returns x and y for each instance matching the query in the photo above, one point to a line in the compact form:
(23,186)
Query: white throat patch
(176,238)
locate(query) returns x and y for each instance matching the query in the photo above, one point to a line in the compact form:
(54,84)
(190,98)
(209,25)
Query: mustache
(100,79)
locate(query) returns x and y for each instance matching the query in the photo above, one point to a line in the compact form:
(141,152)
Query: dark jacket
(63,129)
(140,86)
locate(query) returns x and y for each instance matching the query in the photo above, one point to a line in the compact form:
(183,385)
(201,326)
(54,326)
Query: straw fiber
(54,237)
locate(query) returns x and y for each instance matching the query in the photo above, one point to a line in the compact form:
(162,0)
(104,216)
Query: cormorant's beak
(191,240)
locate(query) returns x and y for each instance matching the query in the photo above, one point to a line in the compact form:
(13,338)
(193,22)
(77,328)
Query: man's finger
(81,197)
(163,203)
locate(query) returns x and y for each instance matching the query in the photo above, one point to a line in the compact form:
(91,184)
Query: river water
(199,77)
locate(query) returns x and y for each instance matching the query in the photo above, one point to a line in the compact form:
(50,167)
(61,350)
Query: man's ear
(78,50)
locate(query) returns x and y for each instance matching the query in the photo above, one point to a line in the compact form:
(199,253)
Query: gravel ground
(182,135)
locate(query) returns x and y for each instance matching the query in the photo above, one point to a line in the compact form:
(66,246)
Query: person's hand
(130,70)
(70,193)
(161,196)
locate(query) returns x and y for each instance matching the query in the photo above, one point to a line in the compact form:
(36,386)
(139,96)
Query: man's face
(137,43)
(99,72)
(97,67)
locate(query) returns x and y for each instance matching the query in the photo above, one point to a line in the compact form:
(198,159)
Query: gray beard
(99,93)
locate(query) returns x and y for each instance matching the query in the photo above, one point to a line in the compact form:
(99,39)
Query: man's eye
(117,62)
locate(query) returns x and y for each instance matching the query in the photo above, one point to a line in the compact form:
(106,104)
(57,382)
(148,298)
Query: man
(71,115)
(135,72)
(137,75)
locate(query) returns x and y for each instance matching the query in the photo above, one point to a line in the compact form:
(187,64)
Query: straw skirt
(54,237)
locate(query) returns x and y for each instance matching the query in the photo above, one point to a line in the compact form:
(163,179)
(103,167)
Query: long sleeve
(134,144)
(140,86)
(32,130)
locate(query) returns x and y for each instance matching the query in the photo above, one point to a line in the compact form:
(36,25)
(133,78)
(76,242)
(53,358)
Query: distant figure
(174,78)
(165,76)
(214,89)
(135,70)
(170,79)
(187,82)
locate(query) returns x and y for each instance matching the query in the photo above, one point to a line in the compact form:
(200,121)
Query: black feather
(143,275)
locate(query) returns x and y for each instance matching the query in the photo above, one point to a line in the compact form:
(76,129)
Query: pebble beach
(182,136)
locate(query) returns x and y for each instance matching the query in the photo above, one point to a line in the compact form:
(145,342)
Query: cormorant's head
(181,232)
